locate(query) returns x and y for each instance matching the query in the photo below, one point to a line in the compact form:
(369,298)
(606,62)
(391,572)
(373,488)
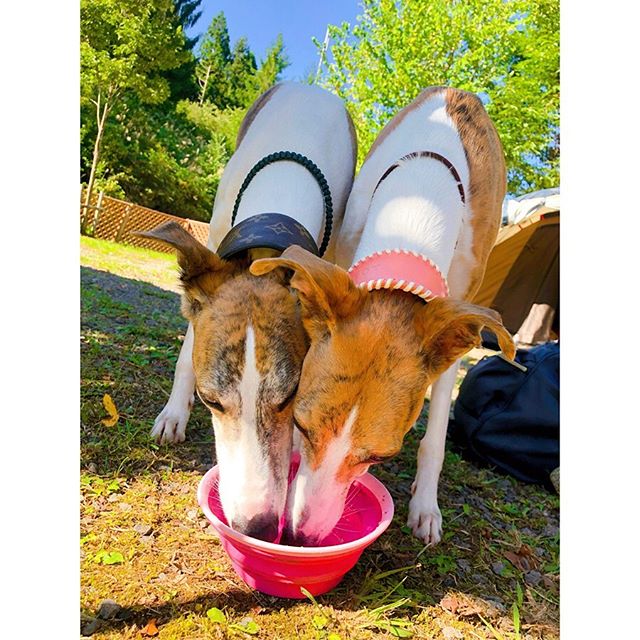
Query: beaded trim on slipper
(400,269)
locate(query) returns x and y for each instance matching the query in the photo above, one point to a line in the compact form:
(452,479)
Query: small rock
(527,532)
(142,529)
(124,506)
(92,467)
(479,578)
(497,568)
(550,531)
(532,577)
(497,602)
(114,497)
(192,514)
(146,539)
(555,479)
(465,565)
(108,609)
(203,524)
(450,633)
(90,627)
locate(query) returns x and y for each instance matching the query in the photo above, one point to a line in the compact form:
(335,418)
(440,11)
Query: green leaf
(88,538)
(309,595)
(333,636)
(516,621)
(215,615)
(111,557)
(466,509)
(320,622)
(249,627)
(398,630)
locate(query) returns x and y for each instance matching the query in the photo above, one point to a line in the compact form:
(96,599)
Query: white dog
(245,344)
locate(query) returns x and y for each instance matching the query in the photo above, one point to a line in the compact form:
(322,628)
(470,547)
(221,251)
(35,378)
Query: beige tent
(522,280)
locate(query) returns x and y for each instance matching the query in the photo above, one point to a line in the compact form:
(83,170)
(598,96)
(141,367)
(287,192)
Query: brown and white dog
(245,344)
(427,200)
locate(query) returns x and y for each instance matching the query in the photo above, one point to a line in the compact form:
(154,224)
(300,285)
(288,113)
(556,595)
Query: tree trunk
(204,84)
(101,119)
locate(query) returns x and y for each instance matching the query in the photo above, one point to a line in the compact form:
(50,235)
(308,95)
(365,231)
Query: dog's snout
(298,539)
(263,526)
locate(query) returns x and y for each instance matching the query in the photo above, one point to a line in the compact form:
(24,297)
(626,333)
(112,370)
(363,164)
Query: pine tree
(182,79)
(214,59)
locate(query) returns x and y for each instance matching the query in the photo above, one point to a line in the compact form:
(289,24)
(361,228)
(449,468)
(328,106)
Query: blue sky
(298,20)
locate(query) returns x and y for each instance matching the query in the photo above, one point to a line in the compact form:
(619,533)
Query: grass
(145,544)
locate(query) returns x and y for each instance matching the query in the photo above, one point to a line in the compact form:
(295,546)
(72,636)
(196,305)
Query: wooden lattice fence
(112,219)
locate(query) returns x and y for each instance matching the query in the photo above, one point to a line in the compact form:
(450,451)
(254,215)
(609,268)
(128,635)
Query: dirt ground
(153,567)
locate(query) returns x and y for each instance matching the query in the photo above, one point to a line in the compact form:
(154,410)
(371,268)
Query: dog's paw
(171,424)
(425,520)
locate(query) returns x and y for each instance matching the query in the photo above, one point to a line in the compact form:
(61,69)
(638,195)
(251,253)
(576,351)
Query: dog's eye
(211,403)
(287,401)
(302,430)
(214,404)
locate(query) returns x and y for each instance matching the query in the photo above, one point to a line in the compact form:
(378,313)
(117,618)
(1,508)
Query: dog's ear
(326,292)
(201,270)
(450,328)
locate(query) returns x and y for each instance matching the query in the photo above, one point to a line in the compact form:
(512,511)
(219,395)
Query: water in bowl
(360,516)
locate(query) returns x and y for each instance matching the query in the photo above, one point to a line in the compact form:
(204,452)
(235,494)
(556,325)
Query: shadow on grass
(130,342)
(131,335)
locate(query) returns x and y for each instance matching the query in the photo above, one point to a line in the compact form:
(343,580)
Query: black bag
(509,418)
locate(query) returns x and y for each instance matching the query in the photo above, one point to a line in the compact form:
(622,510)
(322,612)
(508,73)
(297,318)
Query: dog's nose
(298,539)
(264,526)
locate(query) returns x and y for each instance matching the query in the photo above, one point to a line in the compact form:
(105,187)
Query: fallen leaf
(451,633)
(465,605)
(151,629)
(110,407)
(524,559)
(450,604)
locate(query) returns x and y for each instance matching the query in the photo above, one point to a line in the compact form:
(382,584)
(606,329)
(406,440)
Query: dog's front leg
(170,425)
(424,514)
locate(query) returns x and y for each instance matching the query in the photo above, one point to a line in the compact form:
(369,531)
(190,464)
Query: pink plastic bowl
(280,570)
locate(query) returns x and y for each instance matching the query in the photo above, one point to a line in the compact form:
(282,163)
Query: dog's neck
(286,188)
(417,207)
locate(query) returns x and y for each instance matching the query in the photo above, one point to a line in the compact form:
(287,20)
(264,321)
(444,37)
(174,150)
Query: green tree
(242,71)
(230,77)
(214,58)
(188,15)
(507,51)
(182,82)
(275,62)
(125,46)
(169,154)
